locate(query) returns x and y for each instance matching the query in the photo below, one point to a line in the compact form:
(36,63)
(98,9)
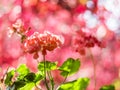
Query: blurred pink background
(100,18)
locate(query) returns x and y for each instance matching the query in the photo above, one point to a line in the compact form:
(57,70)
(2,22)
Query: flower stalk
(94,69)
(51,80)
(45,73)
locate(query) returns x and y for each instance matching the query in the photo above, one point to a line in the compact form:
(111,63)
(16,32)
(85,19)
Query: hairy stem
(5,74)
(37,87)
(65,78)
(94,69)
(51,80)
(45,73)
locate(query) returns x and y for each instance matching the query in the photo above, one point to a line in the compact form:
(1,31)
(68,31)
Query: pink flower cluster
(17,27)
(41,42)
(84,40)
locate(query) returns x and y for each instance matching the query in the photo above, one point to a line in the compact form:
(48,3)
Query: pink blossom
(17,27)
(84,40)
(41,42)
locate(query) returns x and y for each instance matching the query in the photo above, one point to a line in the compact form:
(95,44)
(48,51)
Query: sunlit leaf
(28,86)
(49,66)
(80,84)
(9,76)
(22,70)
(69,67)
(108,87)
(38,76)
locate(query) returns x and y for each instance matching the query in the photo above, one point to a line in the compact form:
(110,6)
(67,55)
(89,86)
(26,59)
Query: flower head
(31,44)
(84,40)
(42,42)
(49,41)
(17,27)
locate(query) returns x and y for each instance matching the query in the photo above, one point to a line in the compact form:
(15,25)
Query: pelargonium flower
(31,44)
(18,27)
(84,40)
(42,42)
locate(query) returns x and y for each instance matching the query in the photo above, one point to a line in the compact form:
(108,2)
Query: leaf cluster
(23,79)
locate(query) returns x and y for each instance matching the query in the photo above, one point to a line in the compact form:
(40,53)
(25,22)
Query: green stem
(45,73)
(51,80)
(5,74)
(65,79)
(66,76)
(37,87)
(94,69)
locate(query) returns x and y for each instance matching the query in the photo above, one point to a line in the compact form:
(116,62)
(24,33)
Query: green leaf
(19,84)
(30,77)
(28,86)
(22,70)
(80,84)
(69,67)
(49,66)
(38,76)
(10,74)
(108,87)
